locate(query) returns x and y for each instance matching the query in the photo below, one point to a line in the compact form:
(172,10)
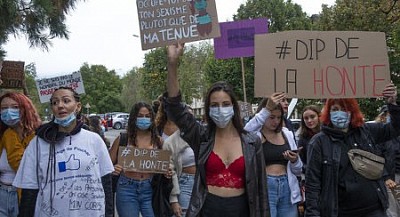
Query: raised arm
(256,123)
(174,52)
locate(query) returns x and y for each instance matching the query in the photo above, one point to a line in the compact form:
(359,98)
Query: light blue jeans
(9,201)
(134,196)
(186,182)
(280,204)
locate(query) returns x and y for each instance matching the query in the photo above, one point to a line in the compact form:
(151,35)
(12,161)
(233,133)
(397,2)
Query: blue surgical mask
(66,121)
(340,119)
(388,119)
(143,123)
(10,116)
(221,115)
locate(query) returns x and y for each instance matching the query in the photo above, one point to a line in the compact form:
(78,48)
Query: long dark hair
(236,119)
(132,129)
(306,132)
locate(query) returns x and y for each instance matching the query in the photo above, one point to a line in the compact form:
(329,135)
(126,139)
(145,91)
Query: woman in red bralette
(230,176)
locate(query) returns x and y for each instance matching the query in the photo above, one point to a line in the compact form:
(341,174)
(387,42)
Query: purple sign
(237,38)
(241,37)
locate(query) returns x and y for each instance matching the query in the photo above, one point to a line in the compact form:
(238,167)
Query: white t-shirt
(80,162)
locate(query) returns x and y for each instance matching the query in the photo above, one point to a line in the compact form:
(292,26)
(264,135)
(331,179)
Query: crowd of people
(222,168)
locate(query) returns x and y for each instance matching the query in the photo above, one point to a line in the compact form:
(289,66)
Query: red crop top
(217,174)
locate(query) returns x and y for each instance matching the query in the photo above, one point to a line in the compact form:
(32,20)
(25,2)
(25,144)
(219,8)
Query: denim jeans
(186,182)
(9,201)
(134,196)
(280,204)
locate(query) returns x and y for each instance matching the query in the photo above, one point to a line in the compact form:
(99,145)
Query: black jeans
(216,206)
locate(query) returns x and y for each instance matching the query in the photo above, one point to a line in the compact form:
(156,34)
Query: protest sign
(245,109)
(47,86)
(165,22)
(237,38)
(12,74)
(314,64)
(144,160)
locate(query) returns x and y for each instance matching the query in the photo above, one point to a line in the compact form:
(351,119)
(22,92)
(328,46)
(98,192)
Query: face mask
(340,119)
(10,116)
(388,119)
(221,115)
(65,122)
(143,123)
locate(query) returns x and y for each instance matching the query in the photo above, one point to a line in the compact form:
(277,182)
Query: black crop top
(273,154)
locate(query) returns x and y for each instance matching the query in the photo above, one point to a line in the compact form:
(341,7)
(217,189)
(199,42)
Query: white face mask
(221,115)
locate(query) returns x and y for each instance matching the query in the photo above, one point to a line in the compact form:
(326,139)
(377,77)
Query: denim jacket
(202,144)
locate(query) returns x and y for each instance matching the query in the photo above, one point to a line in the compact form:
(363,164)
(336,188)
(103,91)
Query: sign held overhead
(165,22)
(47,86)
(317,64)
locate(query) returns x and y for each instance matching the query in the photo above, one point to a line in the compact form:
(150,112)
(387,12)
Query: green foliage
(39,20)
(229,70)
(284,15)
(30,77)
(192,71)
(131,88)
(154,74)
(102,89)
(192,79)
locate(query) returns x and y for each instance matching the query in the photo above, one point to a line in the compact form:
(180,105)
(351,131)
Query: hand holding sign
(390,92)
(274,100)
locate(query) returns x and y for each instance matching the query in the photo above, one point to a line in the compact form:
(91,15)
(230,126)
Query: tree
(191,72)
(284,15)
(154,73)
(102,89)
(30,77)
(132,88)
(39,20)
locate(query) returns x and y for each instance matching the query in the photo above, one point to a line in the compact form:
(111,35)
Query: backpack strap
(123,139)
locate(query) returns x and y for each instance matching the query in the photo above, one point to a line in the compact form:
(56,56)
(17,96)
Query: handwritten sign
(237,38)
(144,160)
(12,74)
(47,86)
(313,64)
(245,109)
(164,22)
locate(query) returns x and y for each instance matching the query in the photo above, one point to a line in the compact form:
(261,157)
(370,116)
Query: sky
(101,32)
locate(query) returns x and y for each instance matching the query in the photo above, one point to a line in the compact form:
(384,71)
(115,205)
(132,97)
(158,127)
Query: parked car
(120,121)
(109,118)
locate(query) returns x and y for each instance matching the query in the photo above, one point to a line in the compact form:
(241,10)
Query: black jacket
(202,143)
(324,157)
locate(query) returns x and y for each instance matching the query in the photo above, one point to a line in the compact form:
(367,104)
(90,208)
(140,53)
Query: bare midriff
(137,176)
(275,170)
(189,170)
(225,192)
